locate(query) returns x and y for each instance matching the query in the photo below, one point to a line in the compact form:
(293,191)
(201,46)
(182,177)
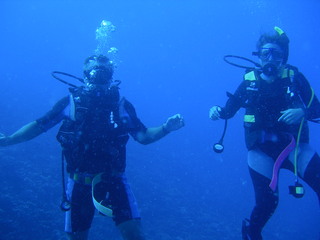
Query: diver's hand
(291,116)
(214,113)
(173,123)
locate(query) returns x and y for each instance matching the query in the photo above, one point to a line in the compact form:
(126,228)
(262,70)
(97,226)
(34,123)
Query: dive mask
(99,75)
(272,59)
(267,54)
(98,70)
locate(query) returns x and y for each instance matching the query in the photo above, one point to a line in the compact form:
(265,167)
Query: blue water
(170,56)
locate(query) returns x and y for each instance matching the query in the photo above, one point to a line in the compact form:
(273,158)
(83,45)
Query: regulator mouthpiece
(270,70)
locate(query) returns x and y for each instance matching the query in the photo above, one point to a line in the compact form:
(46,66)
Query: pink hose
(276,167)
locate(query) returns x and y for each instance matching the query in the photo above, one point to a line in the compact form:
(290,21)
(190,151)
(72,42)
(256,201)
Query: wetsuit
(93,136)
(266,137)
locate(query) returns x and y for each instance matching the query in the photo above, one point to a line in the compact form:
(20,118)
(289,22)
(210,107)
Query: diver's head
(273,51)
(98,70)
(271,59)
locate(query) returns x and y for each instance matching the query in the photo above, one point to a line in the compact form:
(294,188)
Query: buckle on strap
(83,178)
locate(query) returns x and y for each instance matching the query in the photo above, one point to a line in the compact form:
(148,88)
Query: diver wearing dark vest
(96,124)
(278,100)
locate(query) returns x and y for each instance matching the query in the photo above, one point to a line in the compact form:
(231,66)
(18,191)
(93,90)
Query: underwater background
(170,60)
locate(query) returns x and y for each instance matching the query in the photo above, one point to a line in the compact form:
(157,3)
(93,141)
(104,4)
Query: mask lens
(100,75)
(98,70)
(267,53)
(103,60)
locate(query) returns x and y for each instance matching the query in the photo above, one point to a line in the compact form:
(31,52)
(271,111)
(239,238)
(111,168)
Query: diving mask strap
(276,167)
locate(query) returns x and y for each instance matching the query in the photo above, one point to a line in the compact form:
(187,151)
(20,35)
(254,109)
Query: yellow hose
(298,138)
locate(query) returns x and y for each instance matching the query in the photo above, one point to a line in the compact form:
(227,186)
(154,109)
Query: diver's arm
(234,103)
(26,133)
(311,109)
(310,100)
(153,134)
(292,116)
(35,128)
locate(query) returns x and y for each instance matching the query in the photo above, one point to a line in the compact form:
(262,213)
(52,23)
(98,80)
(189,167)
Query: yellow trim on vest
(87,180)
(76,177)
(285,73)
(250,76)
(249,118)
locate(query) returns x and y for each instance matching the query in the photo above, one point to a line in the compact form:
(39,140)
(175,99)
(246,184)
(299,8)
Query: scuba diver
(96,124)
(278,102)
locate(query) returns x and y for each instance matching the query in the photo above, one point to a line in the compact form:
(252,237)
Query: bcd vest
(264,104)
(95,134)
